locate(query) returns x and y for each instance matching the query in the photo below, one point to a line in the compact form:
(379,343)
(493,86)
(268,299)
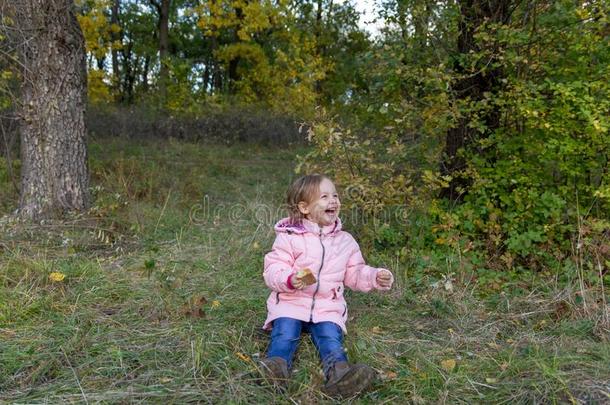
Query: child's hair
(303,189)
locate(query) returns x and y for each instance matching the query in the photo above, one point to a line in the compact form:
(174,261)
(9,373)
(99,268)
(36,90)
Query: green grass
(163,301)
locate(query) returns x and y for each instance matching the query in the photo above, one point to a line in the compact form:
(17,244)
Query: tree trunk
(319,45)
(145,70)
(115,36)
(206,78)
(234,77)
(163,48)
(163,29)
(421,21)
(128,75)
(217,77)
(54,174)
(101,63)
(472,84)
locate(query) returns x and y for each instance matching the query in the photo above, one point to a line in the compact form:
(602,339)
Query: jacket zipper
(313,299)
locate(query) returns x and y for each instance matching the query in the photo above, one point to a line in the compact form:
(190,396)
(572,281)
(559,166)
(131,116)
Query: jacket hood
(286,225)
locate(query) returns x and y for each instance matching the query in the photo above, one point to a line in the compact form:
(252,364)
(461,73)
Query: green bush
(530,181)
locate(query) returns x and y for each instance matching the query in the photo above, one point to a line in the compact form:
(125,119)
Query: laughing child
(310,264)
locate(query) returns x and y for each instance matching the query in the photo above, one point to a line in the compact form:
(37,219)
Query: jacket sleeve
(278,264)
(359,276)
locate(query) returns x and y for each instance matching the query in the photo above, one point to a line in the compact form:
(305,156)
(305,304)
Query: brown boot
(344,380)
(275,371)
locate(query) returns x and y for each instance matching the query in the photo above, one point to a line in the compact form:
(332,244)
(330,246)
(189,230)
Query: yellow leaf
(242,356)
(491,380)
(56,276)
(215,304)
(376,329)
(255,245)
(448,365)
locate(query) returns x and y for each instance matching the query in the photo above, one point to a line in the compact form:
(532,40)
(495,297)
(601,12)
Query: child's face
(324,209)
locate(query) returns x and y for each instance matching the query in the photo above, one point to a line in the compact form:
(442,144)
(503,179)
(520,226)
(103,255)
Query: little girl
(311,238)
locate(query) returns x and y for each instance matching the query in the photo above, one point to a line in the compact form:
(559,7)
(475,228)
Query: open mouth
(331,211)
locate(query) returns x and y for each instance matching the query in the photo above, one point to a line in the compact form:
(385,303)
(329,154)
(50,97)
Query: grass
(163,301)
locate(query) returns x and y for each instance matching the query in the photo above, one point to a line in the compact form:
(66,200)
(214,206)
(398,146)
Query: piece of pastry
(306,276)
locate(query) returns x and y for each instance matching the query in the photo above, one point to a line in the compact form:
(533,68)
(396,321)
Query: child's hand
(297,282)
(384,278)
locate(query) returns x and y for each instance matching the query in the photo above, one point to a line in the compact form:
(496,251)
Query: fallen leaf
(491,380)
(56,276)
(448,364)
(255,245)
(215,304)
(390,375)
(242,356)
(376,329)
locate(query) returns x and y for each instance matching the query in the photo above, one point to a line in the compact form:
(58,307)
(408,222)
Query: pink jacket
(335,259)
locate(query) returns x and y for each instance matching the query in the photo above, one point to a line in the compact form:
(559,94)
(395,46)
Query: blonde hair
(302,189)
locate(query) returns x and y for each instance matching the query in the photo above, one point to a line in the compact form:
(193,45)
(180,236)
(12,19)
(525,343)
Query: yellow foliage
(243,357)
(448,365)
(56,276)
(5,94)
(283,77)
(98,87)
(246,17)
(97,29)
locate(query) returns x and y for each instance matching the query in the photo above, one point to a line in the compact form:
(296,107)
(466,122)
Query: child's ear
(303,207)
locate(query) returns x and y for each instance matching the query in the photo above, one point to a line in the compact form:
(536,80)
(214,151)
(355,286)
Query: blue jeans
(327,337)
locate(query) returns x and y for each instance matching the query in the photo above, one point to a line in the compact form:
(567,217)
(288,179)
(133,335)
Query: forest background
(470,141)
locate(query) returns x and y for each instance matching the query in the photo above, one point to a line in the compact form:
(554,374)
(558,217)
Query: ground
(156,295)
